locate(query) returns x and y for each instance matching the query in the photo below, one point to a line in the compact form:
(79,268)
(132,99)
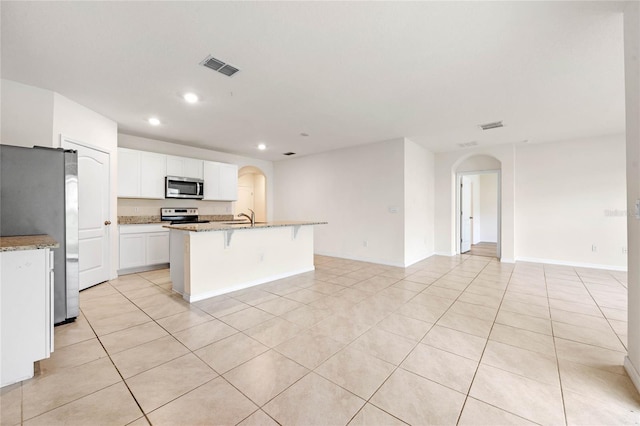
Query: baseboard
(632,372)
(417,259)
(146,268)
(362,259)
(507,260)
(242,286)
(574,264)
(445,253)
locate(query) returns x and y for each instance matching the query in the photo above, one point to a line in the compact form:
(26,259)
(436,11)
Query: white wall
(418,202)
(206,207)
(356,190)
(27,114)
(632,89)
(488,207)
(563,193)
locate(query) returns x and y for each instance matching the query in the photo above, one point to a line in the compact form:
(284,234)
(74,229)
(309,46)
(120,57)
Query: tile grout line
(467,396)
(555,349)
(603,315)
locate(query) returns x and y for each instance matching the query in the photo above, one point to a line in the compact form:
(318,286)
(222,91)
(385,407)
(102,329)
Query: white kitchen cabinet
(152,174)
(143,247)
(220,181)
(26,312)
(184,167)
(141,174)
(128,173)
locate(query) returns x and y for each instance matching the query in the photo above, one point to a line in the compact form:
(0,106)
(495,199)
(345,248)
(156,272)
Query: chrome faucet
(252,218)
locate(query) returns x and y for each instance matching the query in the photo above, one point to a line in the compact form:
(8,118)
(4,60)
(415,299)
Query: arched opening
(252,192)
(478,206)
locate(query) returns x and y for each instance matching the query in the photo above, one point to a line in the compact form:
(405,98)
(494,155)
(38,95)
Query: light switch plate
(637,209)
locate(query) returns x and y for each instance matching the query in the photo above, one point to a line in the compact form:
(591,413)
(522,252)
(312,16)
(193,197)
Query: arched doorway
(252,192)
(478,206)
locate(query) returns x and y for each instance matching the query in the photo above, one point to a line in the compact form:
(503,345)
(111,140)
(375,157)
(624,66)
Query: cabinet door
(157,248)
(228,182)
(153,169)
(175,166)
(192,168)
(132,250)
(128,173)
(24,320)
(211,180)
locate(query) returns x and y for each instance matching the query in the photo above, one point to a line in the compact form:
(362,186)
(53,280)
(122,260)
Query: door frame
(61,143)
(459,175)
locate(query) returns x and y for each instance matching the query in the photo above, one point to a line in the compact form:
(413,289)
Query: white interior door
(465,214)
(93,214)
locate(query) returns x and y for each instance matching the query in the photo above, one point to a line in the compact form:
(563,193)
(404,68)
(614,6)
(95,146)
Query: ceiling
(346,73)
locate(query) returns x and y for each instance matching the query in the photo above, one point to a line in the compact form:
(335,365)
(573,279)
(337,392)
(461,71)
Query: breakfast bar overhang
(211,259)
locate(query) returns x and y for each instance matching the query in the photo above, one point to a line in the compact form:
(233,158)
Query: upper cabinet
(184,167)
(128,173)
(220,181)
(141,174)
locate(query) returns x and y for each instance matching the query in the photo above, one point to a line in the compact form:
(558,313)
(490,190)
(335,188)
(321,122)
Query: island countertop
(217,226)
(27,242)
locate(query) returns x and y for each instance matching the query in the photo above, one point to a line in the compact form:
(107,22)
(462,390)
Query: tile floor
(460,340)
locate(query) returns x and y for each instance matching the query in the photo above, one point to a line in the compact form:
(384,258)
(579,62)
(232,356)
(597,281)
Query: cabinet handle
(107,222)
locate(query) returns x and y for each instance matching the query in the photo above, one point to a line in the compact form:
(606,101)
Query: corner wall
(359,191)
(418,203)
(27,114)
(632,90)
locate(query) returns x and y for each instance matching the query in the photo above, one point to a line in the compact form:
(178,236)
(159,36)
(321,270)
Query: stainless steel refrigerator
(39,195)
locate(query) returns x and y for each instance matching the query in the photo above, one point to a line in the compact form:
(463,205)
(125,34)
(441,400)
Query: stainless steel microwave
(182,187)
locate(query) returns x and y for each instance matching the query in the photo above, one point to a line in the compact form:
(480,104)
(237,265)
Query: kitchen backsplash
(143,207)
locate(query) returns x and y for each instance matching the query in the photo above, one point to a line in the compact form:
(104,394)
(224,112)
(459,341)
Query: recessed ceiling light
(154,121)
(304,134)
(191,98)
(262,147)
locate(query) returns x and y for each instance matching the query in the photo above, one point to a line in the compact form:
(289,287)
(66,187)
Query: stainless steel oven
(182,187)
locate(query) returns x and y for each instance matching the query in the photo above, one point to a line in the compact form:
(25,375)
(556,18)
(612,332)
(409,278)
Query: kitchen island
(209,259)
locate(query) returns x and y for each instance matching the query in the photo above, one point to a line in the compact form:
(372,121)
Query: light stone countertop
(217,226)
(143,220)
(27,242)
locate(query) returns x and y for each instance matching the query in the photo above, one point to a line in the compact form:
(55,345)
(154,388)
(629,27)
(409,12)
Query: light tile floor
(459,340)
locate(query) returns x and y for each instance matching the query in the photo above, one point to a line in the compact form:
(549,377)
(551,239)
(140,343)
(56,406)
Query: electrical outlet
(365,243)
(136,209)
(624,250)
(594,248)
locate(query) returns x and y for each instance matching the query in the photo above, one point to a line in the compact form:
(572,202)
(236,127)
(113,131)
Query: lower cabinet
(26,312)
(143,247)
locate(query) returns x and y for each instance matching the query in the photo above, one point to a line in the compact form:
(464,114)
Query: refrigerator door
(33,200)
(71,229)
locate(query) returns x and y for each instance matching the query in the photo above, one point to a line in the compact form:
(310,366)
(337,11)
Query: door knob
(107,222)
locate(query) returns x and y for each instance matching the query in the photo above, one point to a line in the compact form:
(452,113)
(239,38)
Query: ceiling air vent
(494,125)
(218,65)
(468,144)
(289,153)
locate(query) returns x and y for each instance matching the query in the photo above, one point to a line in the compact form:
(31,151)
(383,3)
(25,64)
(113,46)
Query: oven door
(179,187)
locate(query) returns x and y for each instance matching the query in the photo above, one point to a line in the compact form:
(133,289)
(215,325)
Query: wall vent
(489,126)
(289,153)
(218,65)
(468,144)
